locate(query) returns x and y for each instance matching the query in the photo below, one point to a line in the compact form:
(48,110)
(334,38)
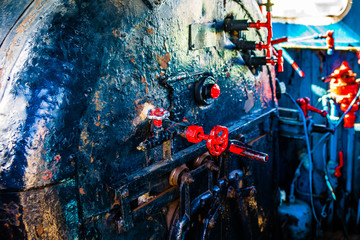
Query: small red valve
(157,114)
(304,103)
(341,164)
(268,46)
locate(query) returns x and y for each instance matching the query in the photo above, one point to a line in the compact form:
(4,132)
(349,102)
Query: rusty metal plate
(202,35)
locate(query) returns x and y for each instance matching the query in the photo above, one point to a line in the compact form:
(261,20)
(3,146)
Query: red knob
(215,91)
(211,91)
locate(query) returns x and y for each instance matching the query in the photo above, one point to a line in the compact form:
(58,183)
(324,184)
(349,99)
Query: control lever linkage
(217,141)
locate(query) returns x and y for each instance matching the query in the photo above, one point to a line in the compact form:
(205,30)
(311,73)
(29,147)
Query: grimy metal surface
(77,79)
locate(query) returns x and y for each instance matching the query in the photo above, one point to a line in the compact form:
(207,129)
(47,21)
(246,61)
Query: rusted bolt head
(125,193)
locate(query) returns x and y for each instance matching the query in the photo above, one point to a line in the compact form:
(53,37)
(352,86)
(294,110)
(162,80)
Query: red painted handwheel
(157,115)
(218,140)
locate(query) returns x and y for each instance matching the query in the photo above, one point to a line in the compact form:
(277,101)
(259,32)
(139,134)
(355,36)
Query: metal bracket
(185,197)
(202,35)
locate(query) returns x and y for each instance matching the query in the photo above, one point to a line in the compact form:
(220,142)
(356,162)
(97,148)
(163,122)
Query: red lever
(247,152)
(279,40)
(341,164)
(304,103)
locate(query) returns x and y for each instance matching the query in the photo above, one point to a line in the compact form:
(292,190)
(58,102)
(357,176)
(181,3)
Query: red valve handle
(158,114)
(218,140)
(270,42)
(279,40)
(304,103)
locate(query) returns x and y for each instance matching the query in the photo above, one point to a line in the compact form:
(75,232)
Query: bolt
(164,210)
(202,203)
(186,178)
(210,165)
(211,223)
(120,225)
(141,147)
(125,193)
(231,192)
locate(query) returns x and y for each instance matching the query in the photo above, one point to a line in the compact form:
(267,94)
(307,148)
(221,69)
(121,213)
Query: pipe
(309,155)
(350,158)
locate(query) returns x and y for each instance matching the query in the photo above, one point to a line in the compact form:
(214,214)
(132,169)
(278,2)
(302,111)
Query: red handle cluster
(304,103)
(268,26)
(268,46)
(217,140)
(158,114)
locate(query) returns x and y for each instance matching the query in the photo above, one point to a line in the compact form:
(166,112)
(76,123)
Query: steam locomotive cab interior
(168,119)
